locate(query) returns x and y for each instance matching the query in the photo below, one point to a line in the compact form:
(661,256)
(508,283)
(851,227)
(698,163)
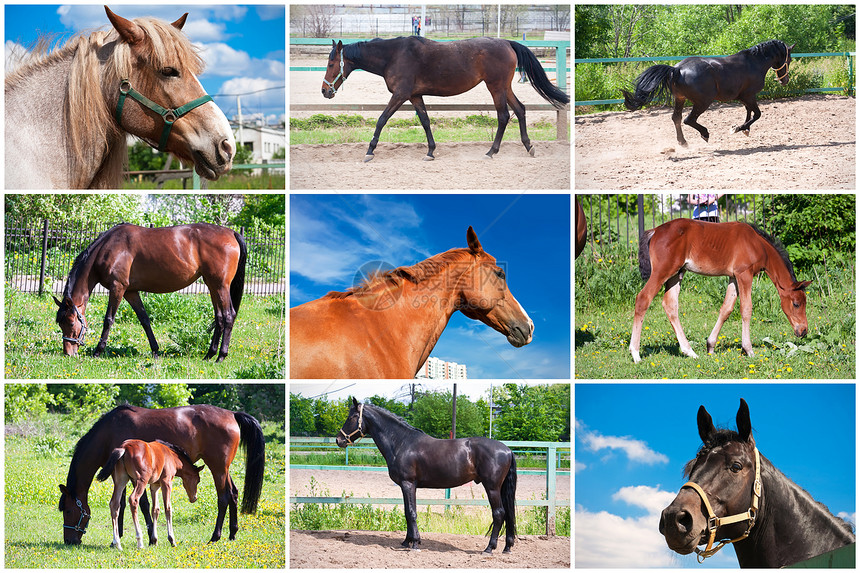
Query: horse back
(713,249)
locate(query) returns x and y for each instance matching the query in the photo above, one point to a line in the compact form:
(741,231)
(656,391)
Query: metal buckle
(712,523)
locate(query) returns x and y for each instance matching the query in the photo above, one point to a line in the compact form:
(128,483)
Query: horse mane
(83,443)
(391,416)
(769,49)
(777,244)
(183,455)
(414,274)
(80,263)
(98,62)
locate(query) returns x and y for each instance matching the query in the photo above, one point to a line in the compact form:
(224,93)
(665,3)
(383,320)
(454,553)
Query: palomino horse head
(72,324)
(158,97)
(336,71)
(76,516)
(725,481)
(484,295)
(793,302)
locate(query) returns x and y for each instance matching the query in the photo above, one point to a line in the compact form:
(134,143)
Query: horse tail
(107,470)
(654,83)
(237,287)
(254,444)
(531,66)
(645,254)
(509,501)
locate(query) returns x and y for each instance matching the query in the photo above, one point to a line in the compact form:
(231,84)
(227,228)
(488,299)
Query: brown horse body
(204,432)
(152,464)
(128,259)
(580,229)
(388,328)
(736,250)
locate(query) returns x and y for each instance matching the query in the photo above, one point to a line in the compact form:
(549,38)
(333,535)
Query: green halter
(169,115)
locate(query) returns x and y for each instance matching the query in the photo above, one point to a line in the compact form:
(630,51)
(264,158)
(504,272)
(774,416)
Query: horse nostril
(227,148)
(684,521)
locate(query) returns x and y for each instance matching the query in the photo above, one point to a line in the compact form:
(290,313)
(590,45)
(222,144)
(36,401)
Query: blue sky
(632,441)
(332,236)
(243,46)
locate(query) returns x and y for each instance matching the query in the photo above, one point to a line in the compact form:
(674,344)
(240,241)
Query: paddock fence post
(44,257)
(550,489)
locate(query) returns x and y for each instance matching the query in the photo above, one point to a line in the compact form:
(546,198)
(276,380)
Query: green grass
(33,525)
(180,324)
(357,129)
(230,181)
(605,293)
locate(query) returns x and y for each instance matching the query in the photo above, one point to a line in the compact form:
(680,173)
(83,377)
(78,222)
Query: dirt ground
(804,143)
(381,549)
(402,166)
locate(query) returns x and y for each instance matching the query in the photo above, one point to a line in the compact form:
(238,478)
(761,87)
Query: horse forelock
(719,438)
(770,49)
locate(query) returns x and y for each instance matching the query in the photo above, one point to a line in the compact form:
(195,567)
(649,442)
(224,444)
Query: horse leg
(676,119)
(670,307)
(393,105)
(495,499)
(745,293)
(133,298)
(643,301)
(410,508)
(725,311)
(222,486)
(153,539)
(225,316)
(233,505)
(752,109)
(168,511)
(698,109)
(520,112)
(500,99)
(115,297)
(421,110)
(133,502)
(147,518)
(115,503)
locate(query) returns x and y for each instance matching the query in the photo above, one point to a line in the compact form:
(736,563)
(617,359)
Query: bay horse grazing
(703,80)
(152,464)
(736,496)
(127,259)
(388,327)
(204,432)
(416,460)
(68,113)
(580,229)
(737,250)
(414,67)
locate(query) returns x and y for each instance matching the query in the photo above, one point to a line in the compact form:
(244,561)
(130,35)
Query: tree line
(519,412)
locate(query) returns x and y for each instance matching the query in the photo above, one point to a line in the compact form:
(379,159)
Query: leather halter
(169,115)
(715,522)
(84,514)
(784,65)
(80,338)
(340,75)
(349,440)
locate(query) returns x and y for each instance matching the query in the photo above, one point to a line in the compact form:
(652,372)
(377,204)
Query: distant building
(263,142)
(437,369)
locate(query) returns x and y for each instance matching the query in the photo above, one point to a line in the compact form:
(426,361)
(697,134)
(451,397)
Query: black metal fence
(615,221)
(39,256)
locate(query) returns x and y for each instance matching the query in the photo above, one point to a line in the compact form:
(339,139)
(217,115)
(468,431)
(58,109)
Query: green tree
(534,413)
(330,416)
(142,157)
(302,421)
(84,403)
(26,401)
(392,406)
(76,209)
(816,229)
(154,395)
(432,414)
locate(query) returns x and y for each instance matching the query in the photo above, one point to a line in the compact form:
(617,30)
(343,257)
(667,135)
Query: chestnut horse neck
(777,264)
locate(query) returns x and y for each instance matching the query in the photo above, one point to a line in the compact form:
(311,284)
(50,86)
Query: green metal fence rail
(265,166)
(554,451)
(848,55)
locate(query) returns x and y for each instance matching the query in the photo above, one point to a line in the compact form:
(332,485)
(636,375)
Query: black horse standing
(703,80)
(414,67)
(416,460)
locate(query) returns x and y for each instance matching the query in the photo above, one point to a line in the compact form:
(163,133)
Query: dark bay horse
(152,464)
(388,327)
(580,229)
(736,496)
(736,250)
(703,80)
(414,67)
(416,460)
(205,432)
(127,259)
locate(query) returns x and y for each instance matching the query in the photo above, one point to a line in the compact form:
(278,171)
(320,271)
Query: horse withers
(152,464)
(737,250)
(415,460)
(703,80)
(737,496)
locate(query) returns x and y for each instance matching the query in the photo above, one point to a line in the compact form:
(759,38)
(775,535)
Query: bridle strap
(80,339)
(340,75)
(84,514)
(715,522)
(349,440)
(169,115)
(776,70)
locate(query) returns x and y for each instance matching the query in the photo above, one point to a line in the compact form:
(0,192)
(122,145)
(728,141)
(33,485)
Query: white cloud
(651,499)
(204,30)
(578,466)
(15,54)
(636,450)
(849,517)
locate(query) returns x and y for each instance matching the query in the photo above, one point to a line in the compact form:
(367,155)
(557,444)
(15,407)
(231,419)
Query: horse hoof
(487,157)
(747,132)
(367,158)
(532,151)
(429,158)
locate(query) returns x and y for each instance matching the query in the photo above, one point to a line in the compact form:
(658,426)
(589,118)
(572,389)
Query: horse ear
(801,285)
(354,402)
(791,47)
(180,22)
(706,425)
(743,422)
(128,30)
(56,300)
(473,242)
(63,490)
(339,46)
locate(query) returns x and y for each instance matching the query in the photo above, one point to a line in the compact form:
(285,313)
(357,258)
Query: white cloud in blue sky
(635,450)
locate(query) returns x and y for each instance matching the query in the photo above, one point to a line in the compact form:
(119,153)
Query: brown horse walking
(128,259)
(736,250)
(388,327)
(204,432)
(153,464)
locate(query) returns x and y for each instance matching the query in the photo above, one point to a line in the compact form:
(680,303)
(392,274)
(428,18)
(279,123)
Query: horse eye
(796,305)
(169,72)
(736,467)
(500,273)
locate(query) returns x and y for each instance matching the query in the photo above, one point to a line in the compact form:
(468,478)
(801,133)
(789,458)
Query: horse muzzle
(328,93)
(521,334)
(677,528)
